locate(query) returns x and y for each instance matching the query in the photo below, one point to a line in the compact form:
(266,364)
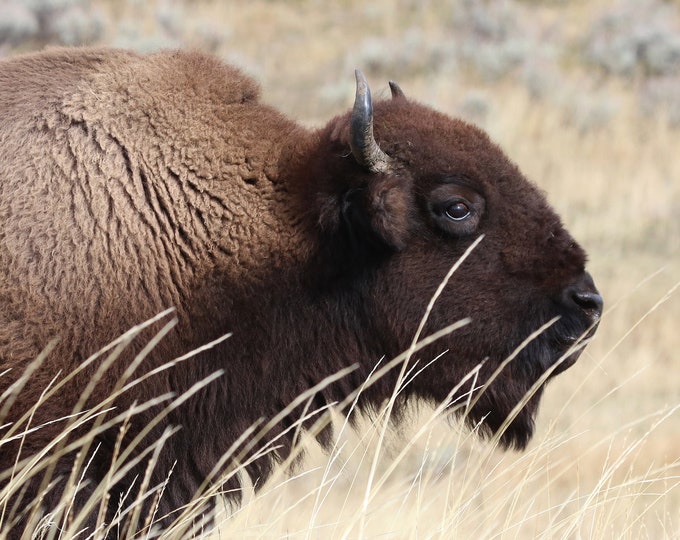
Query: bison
(134,183)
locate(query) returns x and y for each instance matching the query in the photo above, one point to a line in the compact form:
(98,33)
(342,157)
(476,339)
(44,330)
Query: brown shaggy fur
(132,183)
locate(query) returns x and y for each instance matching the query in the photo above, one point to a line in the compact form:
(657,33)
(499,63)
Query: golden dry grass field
(605,462)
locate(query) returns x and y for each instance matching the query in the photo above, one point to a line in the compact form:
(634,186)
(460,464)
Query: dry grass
(606,460)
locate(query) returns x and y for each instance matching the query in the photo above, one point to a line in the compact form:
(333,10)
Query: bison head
(400,202)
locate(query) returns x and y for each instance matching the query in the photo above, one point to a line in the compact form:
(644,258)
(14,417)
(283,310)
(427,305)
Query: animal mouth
(568,348)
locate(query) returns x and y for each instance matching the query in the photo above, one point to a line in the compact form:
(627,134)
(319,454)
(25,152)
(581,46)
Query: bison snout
(583,296)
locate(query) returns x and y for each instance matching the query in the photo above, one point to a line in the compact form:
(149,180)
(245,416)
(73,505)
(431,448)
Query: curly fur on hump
(130,183)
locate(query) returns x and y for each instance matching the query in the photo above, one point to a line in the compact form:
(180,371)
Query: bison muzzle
(133,183)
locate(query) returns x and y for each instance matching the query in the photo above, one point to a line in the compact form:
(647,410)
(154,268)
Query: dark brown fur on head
(391,231)
(133,183)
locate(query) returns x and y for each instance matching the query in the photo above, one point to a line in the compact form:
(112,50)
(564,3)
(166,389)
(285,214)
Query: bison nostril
(588,301)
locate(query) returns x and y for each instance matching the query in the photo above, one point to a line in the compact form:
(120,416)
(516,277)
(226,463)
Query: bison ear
(390,210)
(377,215)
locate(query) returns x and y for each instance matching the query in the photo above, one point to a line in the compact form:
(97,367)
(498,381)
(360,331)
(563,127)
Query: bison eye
(457,211)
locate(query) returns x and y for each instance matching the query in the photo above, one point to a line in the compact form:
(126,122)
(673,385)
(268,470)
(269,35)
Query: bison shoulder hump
(206,73)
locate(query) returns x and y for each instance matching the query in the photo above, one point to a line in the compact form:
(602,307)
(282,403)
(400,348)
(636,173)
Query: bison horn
(364,147)
(396,90)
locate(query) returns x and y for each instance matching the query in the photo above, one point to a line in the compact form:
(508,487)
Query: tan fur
(168,112)
(125,180)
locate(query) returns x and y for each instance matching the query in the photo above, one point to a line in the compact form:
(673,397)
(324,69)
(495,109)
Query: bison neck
(281,346)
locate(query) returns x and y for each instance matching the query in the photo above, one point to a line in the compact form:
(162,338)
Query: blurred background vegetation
(568,53)
(585,96)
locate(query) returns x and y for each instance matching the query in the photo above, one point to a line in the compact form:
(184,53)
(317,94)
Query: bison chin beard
(494,414)
(506,407)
